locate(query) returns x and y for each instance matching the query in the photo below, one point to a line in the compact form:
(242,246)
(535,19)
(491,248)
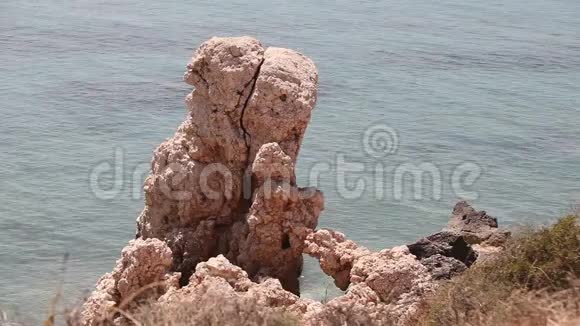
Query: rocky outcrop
(280,218)
(388,286)
(444,243)
(225,184)
(335,253)
(476,227)
(219,276)
(224,217)
(443,267)
(142,269)
(469,236)
(445,254)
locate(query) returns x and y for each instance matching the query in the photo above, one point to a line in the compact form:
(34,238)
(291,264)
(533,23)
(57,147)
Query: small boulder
(474,226)
(448,244)
(497,238)
(443,267)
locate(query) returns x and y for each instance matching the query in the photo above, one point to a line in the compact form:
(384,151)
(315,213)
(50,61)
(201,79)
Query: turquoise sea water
(488,86)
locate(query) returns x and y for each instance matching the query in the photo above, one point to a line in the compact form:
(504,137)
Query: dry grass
(477,306)
(213,309)
(535,282)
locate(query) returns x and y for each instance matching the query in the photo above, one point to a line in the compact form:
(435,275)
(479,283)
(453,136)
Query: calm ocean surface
(493,86)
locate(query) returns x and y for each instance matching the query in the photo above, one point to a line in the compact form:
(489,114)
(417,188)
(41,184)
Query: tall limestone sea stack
(224,184)
(223,213)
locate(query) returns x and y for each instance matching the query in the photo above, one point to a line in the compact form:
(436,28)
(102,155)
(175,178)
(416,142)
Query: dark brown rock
(475,226)
(444,243)
(443,267)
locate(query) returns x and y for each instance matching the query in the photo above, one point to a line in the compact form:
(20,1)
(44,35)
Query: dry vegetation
(214,310)
(535,281)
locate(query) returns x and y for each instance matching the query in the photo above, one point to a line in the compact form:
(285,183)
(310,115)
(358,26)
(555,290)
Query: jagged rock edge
(370,274)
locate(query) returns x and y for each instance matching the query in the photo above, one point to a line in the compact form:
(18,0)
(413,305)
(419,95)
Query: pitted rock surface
(225,184)
(207,193)
(224,217)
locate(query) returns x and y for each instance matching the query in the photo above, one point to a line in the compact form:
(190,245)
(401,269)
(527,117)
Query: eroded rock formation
(445,254)
(142,269)
(225,184)
(386,286)
(220,276)
(469,236)
(225,218)
(476,227)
